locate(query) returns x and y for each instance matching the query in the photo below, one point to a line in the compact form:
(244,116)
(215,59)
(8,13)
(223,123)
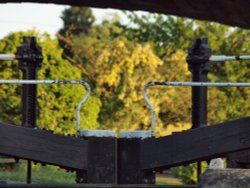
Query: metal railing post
(29,55)
(30,58)
(199,65)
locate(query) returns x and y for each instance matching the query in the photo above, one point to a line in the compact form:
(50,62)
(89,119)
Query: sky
(42,17)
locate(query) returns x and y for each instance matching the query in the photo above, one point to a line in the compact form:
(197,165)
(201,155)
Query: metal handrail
(7,57)
(214,58)
(218,58)
(78,109)
(204,84)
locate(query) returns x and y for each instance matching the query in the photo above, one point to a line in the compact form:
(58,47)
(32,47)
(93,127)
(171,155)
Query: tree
(119,68)
(167,34)
(76,21)
(170,34)
(119,59)
(56,103)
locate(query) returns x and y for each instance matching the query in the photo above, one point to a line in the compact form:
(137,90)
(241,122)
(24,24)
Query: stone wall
(225,178)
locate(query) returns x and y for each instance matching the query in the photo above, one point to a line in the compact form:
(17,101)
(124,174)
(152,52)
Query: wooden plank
(195,145)
(99,186)
(102,167)
(43,146)
(129,171)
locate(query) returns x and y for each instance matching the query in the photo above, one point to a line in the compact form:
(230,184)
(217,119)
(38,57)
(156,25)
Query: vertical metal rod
(199,170)
(29,168)
(29,55)
(29,173)
(199,99)
(199,65)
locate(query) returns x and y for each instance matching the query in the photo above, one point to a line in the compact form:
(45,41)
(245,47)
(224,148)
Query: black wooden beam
(195,145)
(101,161)
(98,186)
(43,146)
(129,171)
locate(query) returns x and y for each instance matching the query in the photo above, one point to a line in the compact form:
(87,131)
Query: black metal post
(30,59)
(199,65)
(29,55)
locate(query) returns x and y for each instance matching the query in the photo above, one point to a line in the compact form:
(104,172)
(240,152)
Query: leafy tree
(76,21)
(56,103)
(174,67)
(170,34)
(166,33)
(119,68)
(109,59)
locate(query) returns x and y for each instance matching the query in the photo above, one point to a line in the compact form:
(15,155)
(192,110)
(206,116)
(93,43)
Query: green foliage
(119,59)
(49,175)
(56,103)
(118,68)
(76,21)
(170,34)
(168,38)
(166,33)
(188,173)
(120,73)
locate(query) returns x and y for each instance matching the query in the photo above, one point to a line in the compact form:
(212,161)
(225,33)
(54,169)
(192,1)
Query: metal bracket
(110,133)
(135,134)
(96,133)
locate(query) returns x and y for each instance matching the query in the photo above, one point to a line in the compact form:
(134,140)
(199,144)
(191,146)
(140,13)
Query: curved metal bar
(153,116)
(204,84)
(78,109)
(7,57)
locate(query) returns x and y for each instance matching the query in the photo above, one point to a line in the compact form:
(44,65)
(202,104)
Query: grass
(40,175)
(162,179)
(53,175)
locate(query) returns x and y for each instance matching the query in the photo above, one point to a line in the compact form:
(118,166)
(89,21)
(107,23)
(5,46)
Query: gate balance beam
(43,146)
(195,145)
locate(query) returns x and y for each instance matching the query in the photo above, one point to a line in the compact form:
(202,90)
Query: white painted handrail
(78,109)
(205,84)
